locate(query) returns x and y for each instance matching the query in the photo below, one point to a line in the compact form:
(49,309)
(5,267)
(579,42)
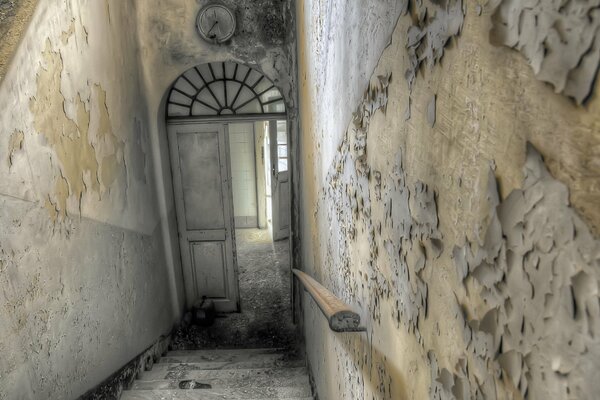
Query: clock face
(216,23)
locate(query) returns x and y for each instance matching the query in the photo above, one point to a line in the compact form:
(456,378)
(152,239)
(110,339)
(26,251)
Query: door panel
(211,255)
(200,169)
(201,181)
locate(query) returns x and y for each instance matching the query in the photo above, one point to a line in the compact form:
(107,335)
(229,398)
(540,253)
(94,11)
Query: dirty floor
(265,320)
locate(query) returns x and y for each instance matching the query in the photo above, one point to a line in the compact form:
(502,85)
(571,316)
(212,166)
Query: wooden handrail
(340,316)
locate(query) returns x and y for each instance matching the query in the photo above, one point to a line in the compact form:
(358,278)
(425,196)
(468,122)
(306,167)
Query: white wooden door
(280,183)
(201,180)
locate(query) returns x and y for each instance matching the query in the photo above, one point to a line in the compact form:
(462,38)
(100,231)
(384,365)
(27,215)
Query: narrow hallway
(298,199)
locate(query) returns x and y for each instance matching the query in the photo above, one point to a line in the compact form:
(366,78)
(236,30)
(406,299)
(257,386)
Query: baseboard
(111,388)
(246,222)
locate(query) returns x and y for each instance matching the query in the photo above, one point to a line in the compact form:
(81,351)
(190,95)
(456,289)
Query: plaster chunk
(560,39)
(426,39)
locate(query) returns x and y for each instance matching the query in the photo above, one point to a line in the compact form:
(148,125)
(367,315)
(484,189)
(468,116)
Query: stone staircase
(248,374)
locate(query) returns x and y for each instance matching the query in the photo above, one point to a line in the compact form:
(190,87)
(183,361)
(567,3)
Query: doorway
(227,177)
(228,140)
(260,176)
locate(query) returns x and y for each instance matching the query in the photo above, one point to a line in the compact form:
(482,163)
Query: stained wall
(90,272)
(453,205)
(84,282)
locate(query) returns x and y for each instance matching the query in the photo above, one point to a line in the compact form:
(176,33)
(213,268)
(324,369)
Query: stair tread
(219,394)
(217,354)
(256,377)
(260,361)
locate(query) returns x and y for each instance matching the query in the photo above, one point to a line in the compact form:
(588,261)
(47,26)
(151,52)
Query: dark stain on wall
(273,28)
(263,22)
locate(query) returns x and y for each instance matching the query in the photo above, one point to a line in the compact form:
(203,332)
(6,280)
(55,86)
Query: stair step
(227,354)
(282,393)
(240,378)
(250,362)
(218,359)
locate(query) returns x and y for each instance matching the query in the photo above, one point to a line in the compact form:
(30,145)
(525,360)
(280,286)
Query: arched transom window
(224,88)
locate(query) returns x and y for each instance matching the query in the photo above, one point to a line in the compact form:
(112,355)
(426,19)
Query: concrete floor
(265,319)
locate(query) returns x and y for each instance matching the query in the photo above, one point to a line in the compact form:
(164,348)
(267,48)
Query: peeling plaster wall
(84,278)
(426,205)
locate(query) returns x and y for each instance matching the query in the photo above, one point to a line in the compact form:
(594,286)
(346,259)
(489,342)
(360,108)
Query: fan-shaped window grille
(224,88)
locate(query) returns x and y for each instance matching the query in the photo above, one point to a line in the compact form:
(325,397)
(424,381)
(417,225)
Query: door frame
(277,231)
(226,120)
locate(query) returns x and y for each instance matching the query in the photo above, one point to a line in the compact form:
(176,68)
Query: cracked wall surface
(471,258)
(84,279)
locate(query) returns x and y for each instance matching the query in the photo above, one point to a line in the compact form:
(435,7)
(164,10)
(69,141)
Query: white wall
(243,174)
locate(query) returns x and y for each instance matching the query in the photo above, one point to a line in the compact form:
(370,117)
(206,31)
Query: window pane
(185,87)
(177,111)
(232,90)
(277,107)
(177,97)
(194,77)
(229,70)
(217,69)
(282,151)
(253,77)
(205,72)
(269,95)
(264,85)
(282,165)
(282,137)
(199,109)
(218,89)
(245,95)
(241,72)
(251,108)
(205,97)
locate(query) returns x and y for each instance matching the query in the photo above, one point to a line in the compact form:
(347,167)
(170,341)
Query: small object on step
(204,313)
(149,363)
(191,384)
(186,320)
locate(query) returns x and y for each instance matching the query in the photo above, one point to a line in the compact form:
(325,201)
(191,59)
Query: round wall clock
(215,23)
